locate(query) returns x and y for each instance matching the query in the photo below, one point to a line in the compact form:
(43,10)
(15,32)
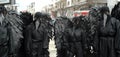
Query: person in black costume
(36,34)
(48,27)
(116,11)
(60,26)
(116,14)
(75,37)
(16,26)
(91,30)
(27,19)
(6,38)
(108,33)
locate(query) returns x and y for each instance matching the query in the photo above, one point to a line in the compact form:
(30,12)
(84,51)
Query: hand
(91,49)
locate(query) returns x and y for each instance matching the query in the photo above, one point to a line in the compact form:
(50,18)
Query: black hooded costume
(75,38)
(108,34)
(6,35)
(60,26)
(36,35)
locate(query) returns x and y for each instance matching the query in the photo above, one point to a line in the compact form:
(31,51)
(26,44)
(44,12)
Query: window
(68,2)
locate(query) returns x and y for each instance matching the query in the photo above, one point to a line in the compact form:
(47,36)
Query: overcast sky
(22,4)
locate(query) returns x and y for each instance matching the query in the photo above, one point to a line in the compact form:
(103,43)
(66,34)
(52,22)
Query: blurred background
(58,7)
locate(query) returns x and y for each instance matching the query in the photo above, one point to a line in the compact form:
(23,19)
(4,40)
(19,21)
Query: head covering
(38,15)
(104,9)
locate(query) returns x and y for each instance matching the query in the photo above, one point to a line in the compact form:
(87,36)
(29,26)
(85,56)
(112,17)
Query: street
(52,49)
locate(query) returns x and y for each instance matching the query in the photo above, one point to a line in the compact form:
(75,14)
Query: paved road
(52,49)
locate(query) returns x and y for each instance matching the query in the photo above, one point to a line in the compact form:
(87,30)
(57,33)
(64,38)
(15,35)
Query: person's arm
(11,41)
(27,40)
(117,36)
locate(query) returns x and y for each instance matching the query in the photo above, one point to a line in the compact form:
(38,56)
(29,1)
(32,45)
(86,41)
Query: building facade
(12,5)
(31,8)
(68,7)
